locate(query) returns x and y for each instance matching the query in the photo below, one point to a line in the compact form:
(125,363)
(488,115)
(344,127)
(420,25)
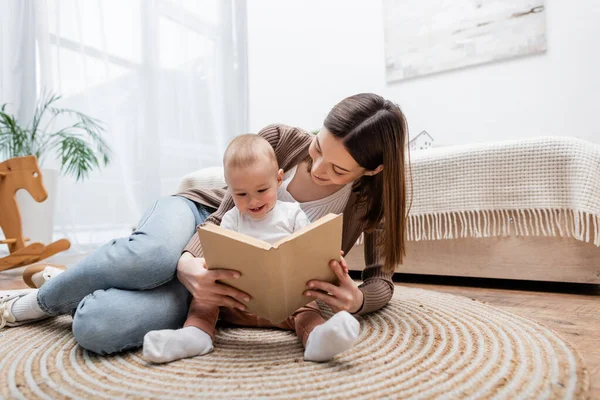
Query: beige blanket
(546,186)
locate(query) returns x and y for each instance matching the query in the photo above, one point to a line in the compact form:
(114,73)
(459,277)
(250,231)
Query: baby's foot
(169,345)
(336,335)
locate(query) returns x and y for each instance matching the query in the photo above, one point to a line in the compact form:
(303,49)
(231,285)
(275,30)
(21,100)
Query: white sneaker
(36,275)
(44,276)
(7,299)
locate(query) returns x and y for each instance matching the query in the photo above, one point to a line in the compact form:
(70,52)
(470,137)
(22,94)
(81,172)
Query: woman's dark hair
(375,132)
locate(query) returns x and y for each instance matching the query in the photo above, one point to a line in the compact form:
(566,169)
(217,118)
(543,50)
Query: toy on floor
(22,173)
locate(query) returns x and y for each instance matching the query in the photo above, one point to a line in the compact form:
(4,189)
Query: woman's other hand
(202,283)
(346,296)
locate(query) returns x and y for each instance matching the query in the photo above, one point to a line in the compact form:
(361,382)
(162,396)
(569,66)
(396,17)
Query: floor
(572,310)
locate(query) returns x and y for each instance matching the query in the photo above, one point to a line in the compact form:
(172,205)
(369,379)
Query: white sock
(27,307)
(169,345)
(336,335)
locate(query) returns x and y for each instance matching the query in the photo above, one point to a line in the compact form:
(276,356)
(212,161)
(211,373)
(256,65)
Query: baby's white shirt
(284,219)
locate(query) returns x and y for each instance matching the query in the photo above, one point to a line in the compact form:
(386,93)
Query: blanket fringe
(580,225)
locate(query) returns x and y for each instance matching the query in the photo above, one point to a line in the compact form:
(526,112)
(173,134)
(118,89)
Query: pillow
(206,178)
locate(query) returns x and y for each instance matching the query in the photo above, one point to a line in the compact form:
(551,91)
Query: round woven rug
(422,345)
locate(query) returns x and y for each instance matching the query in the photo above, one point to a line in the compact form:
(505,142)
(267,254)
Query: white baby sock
(169,345)
(336,335)
(27,308)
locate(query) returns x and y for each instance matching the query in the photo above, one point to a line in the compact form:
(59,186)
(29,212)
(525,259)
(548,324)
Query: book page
(254,259)
(307,256)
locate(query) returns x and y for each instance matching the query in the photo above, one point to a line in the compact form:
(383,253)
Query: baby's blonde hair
(245,150)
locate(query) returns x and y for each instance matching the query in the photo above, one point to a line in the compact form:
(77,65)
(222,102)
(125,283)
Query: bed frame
(553,259)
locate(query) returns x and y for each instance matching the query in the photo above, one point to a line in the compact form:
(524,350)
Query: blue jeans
(129,286)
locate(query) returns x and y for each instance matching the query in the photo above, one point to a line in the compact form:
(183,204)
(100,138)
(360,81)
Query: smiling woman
(346,151)
(336,157)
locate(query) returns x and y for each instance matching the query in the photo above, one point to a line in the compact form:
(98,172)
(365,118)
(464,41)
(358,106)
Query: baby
(252,177)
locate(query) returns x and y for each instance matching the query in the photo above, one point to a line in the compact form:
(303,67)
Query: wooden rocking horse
(22,173)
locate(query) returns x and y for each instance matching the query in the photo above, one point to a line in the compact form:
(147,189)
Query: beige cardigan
(291,147)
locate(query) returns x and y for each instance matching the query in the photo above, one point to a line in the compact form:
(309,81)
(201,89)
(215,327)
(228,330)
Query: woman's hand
(344,297)
(343,262)
(202,283)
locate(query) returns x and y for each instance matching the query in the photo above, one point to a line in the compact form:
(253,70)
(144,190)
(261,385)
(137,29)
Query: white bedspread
(543,186)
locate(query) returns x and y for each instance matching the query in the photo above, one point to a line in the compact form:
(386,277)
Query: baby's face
(254,188)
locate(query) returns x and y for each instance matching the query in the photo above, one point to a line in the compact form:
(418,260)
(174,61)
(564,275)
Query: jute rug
(422,345)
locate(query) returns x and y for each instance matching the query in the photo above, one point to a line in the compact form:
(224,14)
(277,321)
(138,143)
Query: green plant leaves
(14,140)
(80,146)
(76,156)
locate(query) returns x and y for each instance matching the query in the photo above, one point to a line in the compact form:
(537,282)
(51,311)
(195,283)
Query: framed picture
(425,37)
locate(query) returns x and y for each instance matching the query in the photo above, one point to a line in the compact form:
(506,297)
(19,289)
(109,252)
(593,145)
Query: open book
(275,275)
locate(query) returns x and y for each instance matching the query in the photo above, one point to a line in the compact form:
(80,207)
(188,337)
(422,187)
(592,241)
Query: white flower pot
(37,219)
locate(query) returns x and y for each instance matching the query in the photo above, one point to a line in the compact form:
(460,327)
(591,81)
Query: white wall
(304,56)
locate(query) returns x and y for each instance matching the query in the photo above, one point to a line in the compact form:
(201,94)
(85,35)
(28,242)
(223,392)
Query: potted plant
(78,145)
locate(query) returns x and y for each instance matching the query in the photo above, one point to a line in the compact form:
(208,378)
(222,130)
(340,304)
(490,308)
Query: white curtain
(167,77)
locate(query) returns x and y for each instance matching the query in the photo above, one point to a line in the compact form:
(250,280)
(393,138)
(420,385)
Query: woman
(127,288)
